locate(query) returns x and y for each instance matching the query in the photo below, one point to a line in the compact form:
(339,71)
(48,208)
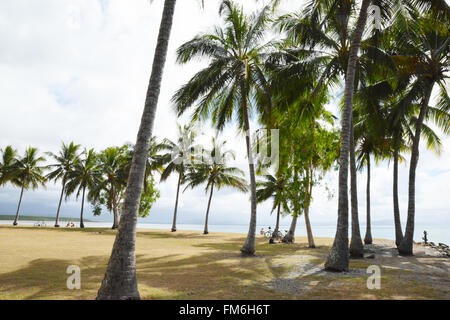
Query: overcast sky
(77,70)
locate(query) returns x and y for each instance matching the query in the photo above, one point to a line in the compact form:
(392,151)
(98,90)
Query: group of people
(70,224)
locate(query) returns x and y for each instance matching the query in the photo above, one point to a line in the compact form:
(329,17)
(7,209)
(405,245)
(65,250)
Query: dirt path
(305,273)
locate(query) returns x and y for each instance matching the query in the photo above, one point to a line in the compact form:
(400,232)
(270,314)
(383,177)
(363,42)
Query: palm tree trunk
(174,223)
(205,231)
(120,280)
(338,259)
(311,243)
(397,222)
(82,208)
(277,225)
(309,233)
(16,219)
(406,246)
(116,219)
(59,206)
(368,237)
(249,246)
(290,236)
(114,208)
(356,244)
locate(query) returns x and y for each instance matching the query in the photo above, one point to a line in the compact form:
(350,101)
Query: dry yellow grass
(189,265)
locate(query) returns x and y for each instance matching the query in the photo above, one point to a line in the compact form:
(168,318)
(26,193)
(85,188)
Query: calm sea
(435,233)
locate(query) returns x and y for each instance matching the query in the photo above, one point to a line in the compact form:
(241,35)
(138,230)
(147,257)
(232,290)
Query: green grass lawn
(190,265)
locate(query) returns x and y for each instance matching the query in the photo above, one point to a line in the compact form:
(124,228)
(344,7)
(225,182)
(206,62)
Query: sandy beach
(190,265)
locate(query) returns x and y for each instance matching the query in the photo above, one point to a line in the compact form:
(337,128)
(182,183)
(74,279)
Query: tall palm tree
(426,46)
(120,280)
(387,130)
(179,157)
(85,174)
(338,257)
(401,128)
(7,163)
(329,42)
(224,89)
(28,173)
(275,188)
(214,171)
(296,203)
(371,142)
(65,161)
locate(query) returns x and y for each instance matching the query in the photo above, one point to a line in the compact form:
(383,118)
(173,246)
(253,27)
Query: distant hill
(39,218)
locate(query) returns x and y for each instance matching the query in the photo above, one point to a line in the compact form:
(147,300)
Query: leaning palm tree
(179,157)
(402,35)
(385,129)
(213,171)
(28,173)
(84,175)
(120,280)
(275,188)
(225,88)
(425,44)
(65,161)
(7,162)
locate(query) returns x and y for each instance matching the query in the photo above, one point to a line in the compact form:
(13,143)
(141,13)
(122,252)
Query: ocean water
(435,233)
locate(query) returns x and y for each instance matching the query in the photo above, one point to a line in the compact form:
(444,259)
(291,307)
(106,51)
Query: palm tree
(65,161)
(178,159)
(371,142)
(324,33)
(27,173)
(7,163)
(120,280)
(273,187)
(155,160)
(110,187)
(426,46)
(338,257)
(224,89)
(296,204)
(401,126)
(155,163)
(216,174)
(385,129)
(84,175)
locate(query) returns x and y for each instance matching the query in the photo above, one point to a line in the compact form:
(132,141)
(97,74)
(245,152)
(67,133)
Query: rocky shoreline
(441,248)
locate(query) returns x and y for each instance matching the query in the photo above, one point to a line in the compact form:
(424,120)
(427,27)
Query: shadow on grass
(204,276)
(46,279)
(219,272)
